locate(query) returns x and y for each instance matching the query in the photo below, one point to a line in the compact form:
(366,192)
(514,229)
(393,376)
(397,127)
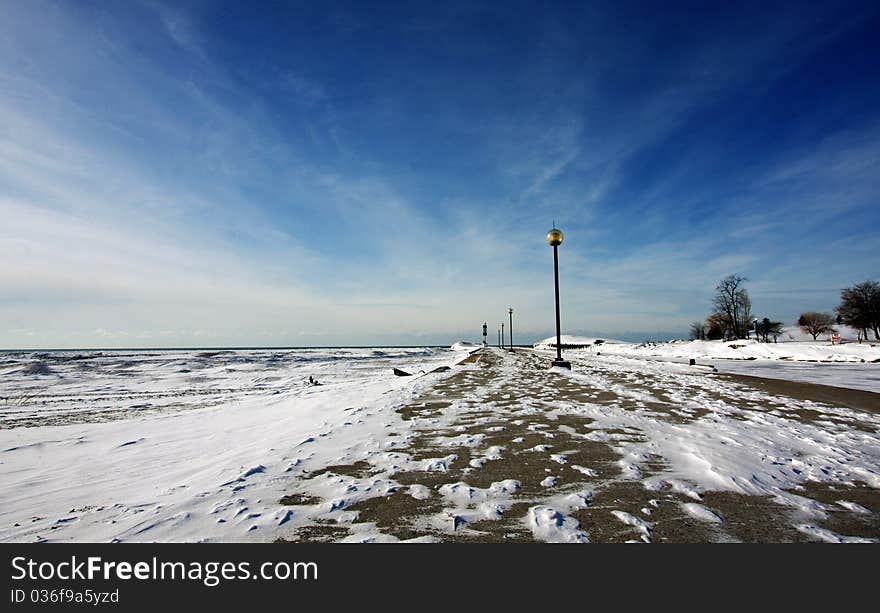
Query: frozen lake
(66,387)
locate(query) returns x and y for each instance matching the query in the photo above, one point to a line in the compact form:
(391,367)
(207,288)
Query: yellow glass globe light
(555,237)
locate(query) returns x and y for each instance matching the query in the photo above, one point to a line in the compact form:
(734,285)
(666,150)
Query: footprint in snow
(284,517)
(128,443)
(248,473)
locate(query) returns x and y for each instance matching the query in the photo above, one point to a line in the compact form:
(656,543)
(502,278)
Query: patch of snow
(419,492)
(549,525)
(643,527)
(854,507)
(829,536)
(698,511)
(589,472)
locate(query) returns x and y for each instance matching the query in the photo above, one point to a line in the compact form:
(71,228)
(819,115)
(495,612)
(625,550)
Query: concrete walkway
(596,455)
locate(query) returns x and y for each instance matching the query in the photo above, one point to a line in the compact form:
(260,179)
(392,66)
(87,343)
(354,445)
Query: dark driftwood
(401,373)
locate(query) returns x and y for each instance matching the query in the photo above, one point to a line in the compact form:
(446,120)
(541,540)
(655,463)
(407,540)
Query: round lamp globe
(555,237)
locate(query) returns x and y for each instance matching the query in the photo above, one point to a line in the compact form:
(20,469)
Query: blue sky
(209,173)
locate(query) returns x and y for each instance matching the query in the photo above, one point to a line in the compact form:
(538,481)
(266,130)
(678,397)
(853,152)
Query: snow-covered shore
(800,351)
(179,446)
(850,365)
(238,446)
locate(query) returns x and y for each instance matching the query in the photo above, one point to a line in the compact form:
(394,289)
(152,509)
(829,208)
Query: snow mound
(549,525)
(464,346)
(575,342)
(751,350)
(698,511)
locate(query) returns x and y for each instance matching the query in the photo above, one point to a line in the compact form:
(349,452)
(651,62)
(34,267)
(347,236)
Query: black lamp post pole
(502,335)
(510,312)
(556,283)
(554,239)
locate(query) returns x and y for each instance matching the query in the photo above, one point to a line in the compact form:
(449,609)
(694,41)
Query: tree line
(732,318)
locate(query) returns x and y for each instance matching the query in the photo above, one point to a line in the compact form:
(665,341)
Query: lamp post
(502,335)
(510,314)
(554,239)
(755,321)
(499,337)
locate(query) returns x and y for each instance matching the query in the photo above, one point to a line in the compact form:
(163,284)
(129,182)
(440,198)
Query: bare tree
(732,302)
(814,323)
(860,307)
(698,331)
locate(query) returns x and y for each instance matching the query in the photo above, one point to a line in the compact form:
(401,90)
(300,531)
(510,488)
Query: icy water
(39,388)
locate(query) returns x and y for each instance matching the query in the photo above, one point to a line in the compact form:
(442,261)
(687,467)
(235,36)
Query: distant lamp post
(510,314)
(502,335)
(499,337)
(755,321)
(485,329)
(554,239)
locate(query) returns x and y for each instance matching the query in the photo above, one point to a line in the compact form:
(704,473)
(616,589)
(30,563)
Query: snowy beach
(238,446)
(182,445)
